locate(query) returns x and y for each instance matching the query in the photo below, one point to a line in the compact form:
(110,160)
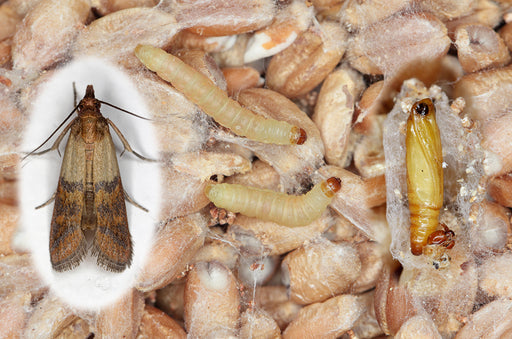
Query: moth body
(89,212)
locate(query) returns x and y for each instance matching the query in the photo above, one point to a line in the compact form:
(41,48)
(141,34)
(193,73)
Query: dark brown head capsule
(423,107)
(331,186)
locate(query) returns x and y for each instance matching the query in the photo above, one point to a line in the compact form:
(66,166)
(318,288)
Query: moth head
(89,102)
(89,92)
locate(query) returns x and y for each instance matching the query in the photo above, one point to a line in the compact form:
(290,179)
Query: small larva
(215,102)
(281,208)
(424,173)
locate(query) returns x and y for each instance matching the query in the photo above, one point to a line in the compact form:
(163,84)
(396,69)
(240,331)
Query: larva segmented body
(281,208)
(215,102)
(424,173)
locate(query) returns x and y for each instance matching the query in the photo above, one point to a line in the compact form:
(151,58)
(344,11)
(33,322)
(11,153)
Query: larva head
(153,58)
(298,136)
(331,186)
(423,107)
(208,190)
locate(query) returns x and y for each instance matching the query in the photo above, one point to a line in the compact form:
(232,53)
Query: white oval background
(88,286)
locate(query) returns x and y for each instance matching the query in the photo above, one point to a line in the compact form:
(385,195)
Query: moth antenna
(133,202)
(53,133)
(47,202)
(74,94)
(123,110)
(126,145)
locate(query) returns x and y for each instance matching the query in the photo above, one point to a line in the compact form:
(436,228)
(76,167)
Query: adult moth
(89,212)
(281,208)
(215,102)
(424,160)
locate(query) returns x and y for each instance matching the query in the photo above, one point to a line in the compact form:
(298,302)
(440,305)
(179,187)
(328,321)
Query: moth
(213,101)
(89,213)
(424,158)
(281,208)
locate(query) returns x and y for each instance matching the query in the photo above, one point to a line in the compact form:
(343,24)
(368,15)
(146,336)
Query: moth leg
(55,144)
(126,145)
(52,198)
(131,201)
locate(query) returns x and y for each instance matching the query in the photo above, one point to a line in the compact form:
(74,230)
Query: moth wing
(68,245)
(112,241)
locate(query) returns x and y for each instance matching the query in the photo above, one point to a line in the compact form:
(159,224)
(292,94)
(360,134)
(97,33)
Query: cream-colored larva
(215,102)
(281,208)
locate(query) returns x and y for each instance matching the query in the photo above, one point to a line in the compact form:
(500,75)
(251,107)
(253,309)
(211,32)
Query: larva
(281,208)
(215,102)
(424,173)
